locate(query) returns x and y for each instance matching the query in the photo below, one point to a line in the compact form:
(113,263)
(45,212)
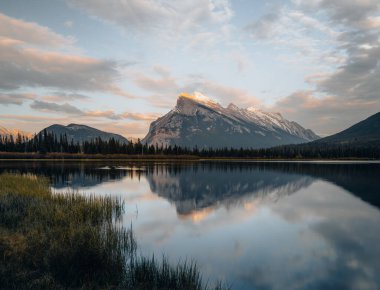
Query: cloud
(336,216)
(195,25)
(53,107)
(69,109)
(358,77)
(221,92)
(265,27)
(165,82)
(109,114)
(325,115)
(15,99)
(69,24)
(157,80)
(140,117)
(161,70)
(22,66)
(59,96)
(31,56)
(359,40)
(145,14)
(303,38)
(354,13)
(166,88)
(340,42)
(32,33)
(33,119)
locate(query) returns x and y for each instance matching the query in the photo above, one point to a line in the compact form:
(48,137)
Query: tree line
(48,142)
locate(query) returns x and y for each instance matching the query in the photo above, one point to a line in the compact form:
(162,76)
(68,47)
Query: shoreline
(15,156)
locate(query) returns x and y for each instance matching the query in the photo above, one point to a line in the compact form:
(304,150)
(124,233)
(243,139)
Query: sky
(117,65)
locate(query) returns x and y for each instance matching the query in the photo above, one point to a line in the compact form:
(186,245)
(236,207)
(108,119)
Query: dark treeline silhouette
(47,142)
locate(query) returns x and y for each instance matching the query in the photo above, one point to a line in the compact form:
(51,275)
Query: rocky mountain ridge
(197,120)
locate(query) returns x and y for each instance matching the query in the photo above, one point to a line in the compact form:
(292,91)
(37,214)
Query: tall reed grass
(70,241)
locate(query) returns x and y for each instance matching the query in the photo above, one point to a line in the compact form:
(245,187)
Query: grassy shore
(68,241)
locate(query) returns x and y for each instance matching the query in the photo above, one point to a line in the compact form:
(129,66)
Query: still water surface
(254,225)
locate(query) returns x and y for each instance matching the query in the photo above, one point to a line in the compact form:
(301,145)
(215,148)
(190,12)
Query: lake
(254,225)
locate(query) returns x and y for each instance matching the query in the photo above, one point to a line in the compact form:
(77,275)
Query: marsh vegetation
(70,241)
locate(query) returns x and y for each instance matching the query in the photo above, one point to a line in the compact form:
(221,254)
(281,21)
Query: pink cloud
(32,33)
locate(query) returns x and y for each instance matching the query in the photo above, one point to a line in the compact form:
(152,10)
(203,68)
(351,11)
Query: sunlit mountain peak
(198,97)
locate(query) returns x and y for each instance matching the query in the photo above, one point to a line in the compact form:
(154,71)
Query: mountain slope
(199,121)
(13,132)
(81,133)
(364,133)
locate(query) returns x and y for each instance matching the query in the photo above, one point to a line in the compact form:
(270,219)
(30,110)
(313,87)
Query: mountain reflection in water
(261,225)
(196,186)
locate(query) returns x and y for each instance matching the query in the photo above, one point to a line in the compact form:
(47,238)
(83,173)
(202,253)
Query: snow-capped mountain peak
(199,98)
(190,104)
(197,120)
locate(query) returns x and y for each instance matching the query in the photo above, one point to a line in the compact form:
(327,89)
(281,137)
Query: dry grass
(69,241)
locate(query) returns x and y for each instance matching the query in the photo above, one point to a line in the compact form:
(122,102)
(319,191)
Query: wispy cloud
(342,40)
(62,96)
(31,33)
(141,117)
(195,25)
(53,107)
(69,109)
(108,114)
(15,98)
(309,39)
(145,14)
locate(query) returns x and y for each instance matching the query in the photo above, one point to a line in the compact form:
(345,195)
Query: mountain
(13,132)
(364,133)
(199,121)
(81,133)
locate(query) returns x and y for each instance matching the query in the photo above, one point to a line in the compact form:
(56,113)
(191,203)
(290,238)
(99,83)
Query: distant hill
(199,121)
(364,133)
(81,133)
(13,132)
